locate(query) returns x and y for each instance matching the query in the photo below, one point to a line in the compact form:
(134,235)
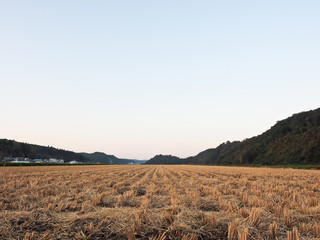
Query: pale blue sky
(138,78)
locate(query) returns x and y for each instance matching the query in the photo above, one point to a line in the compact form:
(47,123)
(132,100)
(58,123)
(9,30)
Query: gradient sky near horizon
(140,78)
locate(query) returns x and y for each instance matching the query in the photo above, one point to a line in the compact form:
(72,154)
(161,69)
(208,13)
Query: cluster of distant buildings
(37,160)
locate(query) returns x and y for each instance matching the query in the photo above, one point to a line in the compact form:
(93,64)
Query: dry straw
(158,202)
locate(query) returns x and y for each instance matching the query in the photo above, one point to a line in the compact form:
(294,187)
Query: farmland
(158,202)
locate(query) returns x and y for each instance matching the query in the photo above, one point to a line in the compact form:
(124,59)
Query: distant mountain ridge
(295,140)
(109,159)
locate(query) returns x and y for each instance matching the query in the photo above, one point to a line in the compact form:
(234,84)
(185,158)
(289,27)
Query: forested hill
(165,159)
(295,140)
(11,148)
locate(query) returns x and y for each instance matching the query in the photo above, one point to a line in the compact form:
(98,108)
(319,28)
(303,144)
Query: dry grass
(158,202)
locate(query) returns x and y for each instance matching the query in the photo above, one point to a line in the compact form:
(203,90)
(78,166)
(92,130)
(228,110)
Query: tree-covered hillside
(11,148)
(295,140)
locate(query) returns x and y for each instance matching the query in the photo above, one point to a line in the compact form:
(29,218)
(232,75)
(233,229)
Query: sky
(140,78)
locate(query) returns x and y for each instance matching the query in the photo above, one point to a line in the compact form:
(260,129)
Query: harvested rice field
(158,202)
